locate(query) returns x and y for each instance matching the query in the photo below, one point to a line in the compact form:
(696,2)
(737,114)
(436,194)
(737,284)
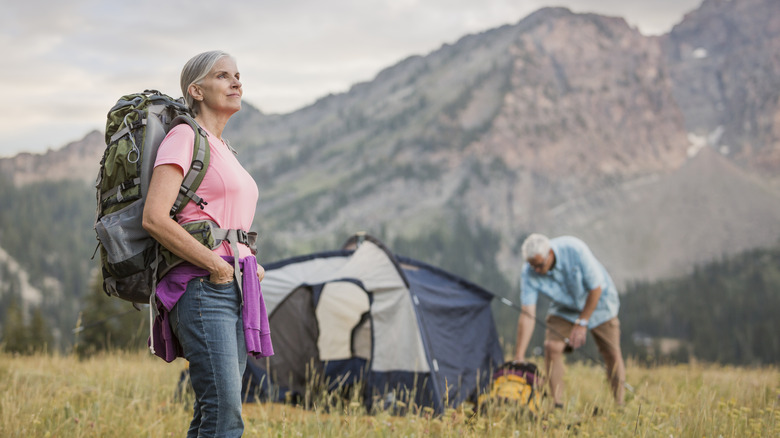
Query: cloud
(68,62)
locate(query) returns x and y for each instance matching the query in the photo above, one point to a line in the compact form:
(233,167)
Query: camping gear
(398,330)
(131,259)
(514,384)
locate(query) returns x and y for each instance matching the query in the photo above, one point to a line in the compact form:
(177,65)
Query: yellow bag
(514,384)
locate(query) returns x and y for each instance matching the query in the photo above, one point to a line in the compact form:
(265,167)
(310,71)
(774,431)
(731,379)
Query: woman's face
(220,91)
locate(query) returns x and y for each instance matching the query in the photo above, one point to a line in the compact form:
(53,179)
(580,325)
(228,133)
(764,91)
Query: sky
(66,63)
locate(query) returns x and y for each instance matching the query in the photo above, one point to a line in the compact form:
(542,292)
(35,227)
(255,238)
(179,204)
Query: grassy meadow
(131,395)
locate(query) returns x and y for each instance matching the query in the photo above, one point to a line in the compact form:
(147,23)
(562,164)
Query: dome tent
(406,330)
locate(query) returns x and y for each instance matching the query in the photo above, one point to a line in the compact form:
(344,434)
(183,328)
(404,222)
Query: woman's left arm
(163,189)
(260,272)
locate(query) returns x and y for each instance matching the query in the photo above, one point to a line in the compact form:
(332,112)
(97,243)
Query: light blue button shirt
(575,274)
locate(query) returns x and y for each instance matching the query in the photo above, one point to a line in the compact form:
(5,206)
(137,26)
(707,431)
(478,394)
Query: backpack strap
(153,311)
(200,162)
(234,237)
(105,198)
(201,153)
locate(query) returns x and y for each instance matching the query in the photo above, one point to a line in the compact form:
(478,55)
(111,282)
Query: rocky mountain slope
(668,224)
(724,61)
(78,160)
(661,152)
(505,125)
(547,125)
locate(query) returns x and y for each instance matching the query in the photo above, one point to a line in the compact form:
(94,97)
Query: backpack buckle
(242,237)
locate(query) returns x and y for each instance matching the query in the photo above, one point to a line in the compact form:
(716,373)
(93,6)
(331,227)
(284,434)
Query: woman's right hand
(223,273)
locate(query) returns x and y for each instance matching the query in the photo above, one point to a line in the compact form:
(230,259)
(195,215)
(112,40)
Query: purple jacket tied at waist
(257,331)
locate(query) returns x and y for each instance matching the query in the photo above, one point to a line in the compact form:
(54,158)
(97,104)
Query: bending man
(583,297)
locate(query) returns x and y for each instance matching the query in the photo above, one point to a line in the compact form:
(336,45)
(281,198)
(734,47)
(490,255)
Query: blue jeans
(207,321)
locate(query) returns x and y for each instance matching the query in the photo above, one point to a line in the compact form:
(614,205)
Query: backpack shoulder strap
(201,153)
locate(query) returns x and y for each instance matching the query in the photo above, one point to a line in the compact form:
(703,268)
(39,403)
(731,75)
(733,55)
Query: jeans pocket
(218,287)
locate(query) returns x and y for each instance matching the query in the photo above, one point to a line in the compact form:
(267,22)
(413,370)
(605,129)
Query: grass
(131,395)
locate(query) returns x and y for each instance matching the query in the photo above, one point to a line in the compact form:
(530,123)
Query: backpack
(132,261)
(514,384)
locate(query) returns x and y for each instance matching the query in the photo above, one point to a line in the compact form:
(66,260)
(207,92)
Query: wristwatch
(582,322)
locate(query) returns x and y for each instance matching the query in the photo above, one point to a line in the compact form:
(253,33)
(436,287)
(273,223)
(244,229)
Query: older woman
(201,299)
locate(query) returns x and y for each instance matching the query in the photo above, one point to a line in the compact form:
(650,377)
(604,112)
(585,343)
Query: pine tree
(40,339)
(15,339)
(108,323)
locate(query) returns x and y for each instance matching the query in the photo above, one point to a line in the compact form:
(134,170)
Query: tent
(406,330)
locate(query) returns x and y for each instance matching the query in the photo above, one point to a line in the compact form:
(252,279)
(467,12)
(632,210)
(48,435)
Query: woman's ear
(195,92)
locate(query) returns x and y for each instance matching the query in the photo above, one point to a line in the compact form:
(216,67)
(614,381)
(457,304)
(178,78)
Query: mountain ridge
(77,160)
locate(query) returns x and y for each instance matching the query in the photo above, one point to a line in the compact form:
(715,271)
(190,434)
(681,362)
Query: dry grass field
(131,395)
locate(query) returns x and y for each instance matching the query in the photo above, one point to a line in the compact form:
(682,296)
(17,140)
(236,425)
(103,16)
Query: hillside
(667,224)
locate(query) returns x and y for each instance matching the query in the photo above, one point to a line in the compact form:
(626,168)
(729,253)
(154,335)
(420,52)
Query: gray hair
(535,244)
(194,71)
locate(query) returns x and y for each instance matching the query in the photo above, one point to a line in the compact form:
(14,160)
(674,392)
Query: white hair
(193,73)
(535,244)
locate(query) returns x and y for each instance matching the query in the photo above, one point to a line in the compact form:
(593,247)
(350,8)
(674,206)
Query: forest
(724,312)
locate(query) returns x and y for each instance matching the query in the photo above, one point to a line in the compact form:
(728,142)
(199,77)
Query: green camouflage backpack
(132,261)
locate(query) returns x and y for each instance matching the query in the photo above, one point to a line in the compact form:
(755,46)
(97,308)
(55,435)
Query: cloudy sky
(66,63)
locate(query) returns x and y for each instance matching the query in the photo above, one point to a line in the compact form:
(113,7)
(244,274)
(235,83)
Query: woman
(204,304)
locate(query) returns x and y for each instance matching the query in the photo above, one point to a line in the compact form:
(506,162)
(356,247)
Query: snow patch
(699,53)
(697,142)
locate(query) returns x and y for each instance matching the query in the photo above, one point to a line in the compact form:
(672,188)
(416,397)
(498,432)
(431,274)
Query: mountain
(660,152)
(724,61)
(78,160)
(559,124)
(504,125)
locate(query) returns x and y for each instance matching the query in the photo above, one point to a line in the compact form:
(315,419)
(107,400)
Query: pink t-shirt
(229,189)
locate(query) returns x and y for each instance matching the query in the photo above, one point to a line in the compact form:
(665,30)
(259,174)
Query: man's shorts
(606,335)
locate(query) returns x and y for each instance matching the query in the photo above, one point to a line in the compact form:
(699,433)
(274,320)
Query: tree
(22,338)
(40,338)
(725,311)
(108,323)
(14,333)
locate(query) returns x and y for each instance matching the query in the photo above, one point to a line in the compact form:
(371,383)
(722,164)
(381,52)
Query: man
(583,297)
